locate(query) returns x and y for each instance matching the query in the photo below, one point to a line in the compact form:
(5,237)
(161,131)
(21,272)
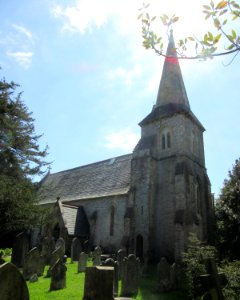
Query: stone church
(146,201)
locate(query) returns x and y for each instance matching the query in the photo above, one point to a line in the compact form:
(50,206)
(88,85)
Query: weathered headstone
(76,249)
(48,246)
(163,284)
(58,276)
(111,263)
(121,254)
(97,256)
(34,264)
(86,246)
(130,279)
(213,281)
(175,276)
(12,283)
(20,249)
(98,283)
(60,244)
(82,263)
(55,256)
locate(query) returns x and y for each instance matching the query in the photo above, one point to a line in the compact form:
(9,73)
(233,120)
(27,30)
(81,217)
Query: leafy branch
(206,47)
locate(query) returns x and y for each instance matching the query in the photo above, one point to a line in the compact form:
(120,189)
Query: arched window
(163,142)
(112,213)
(166,140)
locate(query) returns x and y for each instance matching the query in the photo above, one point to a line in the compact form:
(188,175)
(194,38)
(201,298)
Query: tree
(20,159)
(221,14)
(228,215)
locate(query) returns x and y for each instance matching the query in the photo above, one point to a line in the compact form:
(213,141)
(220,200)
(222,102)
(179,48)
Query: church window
(112,213)
(168,140)
(163,142)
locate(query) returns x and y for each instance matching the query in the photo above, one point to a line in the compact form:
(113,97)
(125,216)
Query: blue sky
(89,82)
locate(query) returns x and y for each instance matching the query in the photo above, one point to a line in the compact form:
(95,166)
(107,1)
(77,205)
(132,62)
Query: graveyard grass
(75,288)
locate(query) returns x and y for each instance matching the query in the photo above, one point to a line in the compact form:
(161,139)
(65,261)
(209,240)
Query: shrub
(193,265)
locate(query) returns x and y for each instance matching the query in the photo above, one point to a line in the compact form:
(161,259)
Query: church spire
(172,89)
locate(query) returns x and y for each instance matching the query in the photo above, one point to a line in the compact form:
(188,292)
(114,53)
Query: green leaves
(218,37)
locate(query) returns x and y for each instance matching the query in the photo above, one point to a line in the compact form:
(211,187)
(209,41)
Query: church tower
(170,187)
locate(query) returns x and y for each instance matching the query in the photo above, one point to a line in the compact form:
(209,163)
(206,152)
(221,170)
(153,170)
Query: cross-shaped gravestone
(213,282)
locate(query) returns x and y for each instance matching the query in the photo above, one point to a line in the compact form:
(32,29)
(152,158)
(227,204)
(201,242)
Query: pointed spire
(172,89)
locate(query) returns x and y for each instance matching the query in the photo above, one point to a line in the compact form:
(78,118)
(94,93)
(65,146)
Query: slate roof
(75,220)
(105,178)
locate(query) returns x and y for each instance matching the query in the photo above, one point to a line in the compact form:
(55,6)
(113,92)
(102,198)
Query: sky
(89,82)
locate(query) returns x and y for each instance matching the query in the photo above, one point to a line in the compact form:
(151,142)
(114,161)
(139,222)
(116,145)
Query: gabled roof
(74,219)
(105,178)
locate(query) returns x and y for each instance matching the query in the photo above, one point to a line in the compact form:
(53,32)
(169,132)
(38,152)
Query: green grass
(75,287)
(74,291)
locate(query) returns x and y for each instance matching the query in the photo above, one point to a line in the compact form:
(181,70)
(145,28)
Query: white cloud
(24,59)
(124,139)
(126,75)
(85,15)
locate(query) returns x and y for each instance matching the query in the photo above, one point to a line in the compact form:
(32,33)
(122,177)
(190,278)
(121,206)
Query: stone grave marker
(48,246)
(130,279)
(163,284)
(97,256)
(58,276)
(34,264)
(20,249)
(60,244)
(175,276)
(111,263)
(55,256)
(76,249)
(121,254)
(82,263)
(213,282)
(86,246)
(98,283)
(12,283)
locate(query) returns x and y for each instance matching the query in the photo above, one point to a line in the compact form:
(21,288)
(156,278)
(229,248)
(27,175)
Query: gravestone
(213,282)
(86,246)
(163,284)
(121,254)
(20,249)
(111,263)
(12,283)
(175,276)
(58,276)
(56,255)
(98,283)
(60,244)
(82,263)
(34,264)
(48,246)
(76,249)
(131,272)
(97,256)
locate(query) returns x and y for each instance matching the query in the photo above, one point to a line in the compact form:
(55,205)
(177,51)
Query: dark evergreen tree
(20,160)
(228,215)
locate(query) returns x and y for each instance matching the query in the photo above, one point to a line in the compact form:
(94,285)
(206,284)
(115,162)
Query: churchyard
(47,273)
